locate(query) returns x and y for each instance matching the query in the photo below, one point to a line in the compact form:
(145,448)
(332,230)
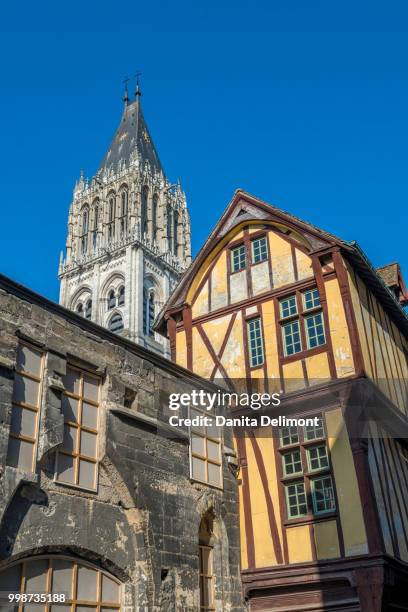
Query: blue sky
(304,104)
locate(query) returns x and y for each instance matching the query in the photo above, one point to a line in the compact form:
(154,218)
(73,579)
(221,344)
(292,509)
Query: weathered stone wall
(142,524)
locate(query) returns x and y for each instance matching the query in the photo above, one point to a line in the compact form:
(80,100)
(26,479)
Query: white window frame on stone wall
(77,424)
(25,408)
(208,442)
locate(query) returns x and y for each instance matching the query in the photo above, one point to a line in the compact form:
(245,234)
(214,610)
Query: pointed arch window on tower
(175,232)
(143,211)
(80,310)
(111,299)
(169,228)
(155,204)
(121,296)
(123,212)
(148,312)
(95,228)
(88,310)
(84,232)
(111,218)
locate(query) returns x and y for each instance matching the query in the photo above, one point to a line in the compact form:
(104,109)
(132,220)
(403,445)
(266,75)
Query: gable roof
(246,207)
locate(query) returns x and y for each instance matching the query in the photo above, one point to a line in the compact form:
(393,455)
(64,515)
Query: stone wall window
(168,216)
(86,588)
(143,211)
(205,450)
(123,212)
(77,459)
(306,471)
(111,218)
(88,310)
(206,578)
(148,312)
(175,232)
(95,228)
(84,232)
(121,296)
(155,204)
(25,408)
(111,299)
(116,323)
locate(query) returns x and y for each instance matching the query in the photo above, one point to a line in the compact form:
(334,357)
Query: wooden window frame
(71,601)
(301,316)
(307,475)
(211,577)
(28,406)
(255,238)
(219,441)
(77,455)
(313,494)
(241,245)
(248,322)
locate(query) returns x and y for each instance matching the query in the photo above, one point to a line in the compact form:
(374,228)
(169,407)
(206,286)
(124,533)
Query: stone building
(128,236)
(97,499)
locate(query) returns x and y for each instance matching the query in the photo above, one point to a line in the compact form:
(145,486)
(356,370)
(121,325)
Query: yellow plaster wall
(200,305)
(263,544)
(216,330)
(350,510)
(181,348)
(233,357)
(326,540)
(299,544)
(303,264)
(293,376)
(271,345)
(203,362)
(317,367)
(219,293)
(282,262)
(343,357)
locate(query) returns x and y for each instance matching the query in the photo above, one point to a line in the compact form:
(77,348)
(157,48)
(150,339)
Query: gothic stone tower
(128,236)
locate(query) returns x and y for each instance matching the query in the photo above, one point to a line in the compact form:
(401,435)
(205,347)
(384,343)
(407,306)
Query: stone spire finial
(126,93)
(138,92)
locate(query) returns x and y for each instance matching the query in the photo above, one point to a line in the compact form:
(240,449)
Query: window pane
(323,494)
(23,421)
(213,431)
(198,468)
(88,444)
(317,457)
(314,431)
(28,360)
(62,576)
(256,352)
(238,258)
(214,474)
(86,589)
(20,454)
(292,463)
(205,560)
(259,250)
(89,415)
(36,573)
(25,390)
(315,330)
(110,590)
(311,299)
(71,381)
(296,500)
(70,408)
(91,387)
(66,472)
(291,338)
(70,438)
(198,445)
(288,306)
(87,474)
(213,450)
(289,435)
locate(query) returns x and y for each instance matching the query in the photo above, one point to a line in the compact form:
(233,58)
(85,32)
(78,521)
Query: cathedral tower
(128,236)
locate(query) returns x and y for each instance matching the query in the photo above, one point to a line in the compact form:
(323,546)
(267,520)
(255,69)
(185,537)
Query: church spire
(138,93)
(126,93)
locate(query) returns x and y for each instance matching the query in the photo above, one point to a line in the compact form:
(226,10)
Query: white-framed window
(315,330)
(206,578)
(323,494)
(292,342)
(296,499)
(288,307)
(206,452)
(314,432)
(292,462)
(259,248)
(317,458)
(310,299)
(238,258)
(255,342)
(77,459)
(288,435)
(26,402)
(86,587)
